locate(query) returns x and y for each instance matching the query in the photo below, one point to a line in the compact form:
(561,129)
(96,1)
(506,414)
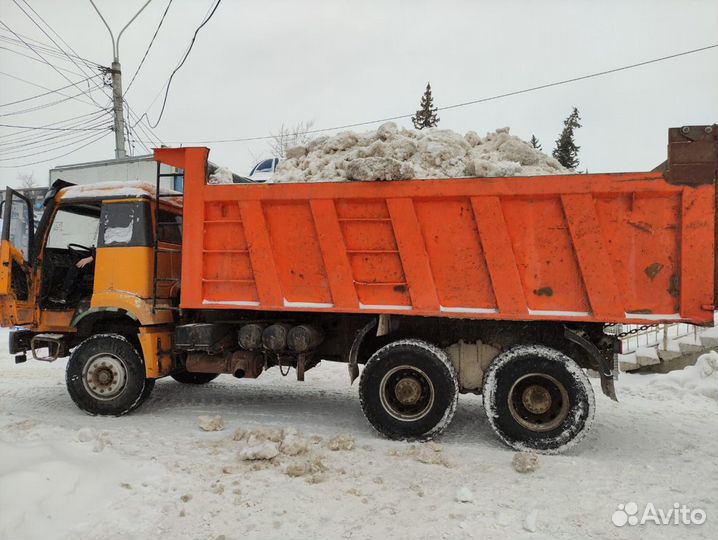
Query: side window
(19,233)
(170,228)
(125,224)
(266,165)
(73,226)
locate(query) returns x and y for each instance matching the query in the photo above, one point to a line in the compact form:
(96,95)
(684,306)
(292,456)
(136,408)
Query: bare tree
(290,136)
(27,180)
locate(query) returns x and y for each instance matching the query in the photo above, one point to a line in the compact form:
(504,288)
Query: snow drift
(392,153)
(700,379)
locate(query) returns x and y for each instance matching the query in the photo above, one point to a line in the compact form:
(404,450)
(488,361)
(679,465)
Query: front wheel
(537,398)
(105,375)
(409,390)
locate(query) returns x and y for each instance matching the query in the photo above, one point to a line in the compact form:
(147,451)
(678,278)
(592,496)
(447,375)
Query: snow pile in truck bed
(391,153)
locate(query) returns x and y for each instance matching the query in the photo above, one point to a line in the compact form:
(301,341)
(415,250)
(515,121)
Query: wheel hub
(104,376)
(408,391)
(538,402)
(536,399)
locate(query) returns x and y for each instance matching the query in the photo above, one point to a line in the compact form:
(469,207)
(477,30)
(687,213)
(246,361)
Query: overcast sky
(261,63)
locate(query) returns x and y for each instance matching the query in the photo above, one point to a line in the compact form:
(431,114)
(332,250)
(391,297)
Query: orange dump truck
(499,286)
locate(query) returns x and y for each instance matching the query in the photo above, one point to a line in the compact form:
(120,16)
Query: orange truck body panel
(630,247)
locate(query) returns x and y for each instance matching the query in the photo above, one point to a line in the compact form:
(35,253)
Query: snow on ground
(391,153)
(156,474)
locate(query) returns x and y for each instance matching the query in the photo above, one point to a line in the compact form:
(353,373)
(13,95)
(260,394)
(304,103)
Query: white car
(264,170)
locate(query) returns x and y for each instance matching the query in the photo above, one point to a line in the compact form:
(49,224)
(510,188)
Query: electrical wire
(57,90)
(150,136)
(39,139)
(45,48)
(52,66)
(69,140)
(466,103)
(37,60)
(149,47)
(56,157)
(53,41)
(60,38)
(40,107)
(184,58)
(41,86)
(67,123)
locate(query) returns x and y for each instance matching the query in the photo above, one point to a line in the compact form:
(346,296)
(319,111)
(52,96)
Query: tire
(538,399)
(185,377)
(409,390)
(105,376)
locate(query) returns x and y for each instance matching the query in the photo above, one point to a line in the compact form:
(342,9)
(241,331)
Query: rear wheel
(409,390)
(105,375)
(537,398)
(185,377)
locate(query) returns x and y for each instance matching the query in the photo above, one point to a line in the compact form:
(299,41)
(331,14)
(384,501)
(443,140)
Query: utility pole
(116,71)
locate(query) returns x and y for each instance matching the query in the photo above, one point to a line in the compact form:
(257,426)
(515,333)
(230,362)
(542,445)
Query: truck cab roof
(118,190)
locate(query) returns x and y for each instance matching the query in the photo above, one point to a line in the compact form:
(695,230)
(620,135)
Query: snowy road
(156,474)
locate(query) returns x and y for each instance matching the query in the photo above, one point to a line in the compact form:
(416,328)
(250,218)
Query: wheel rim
(406,393)
(104,376)
(538,402)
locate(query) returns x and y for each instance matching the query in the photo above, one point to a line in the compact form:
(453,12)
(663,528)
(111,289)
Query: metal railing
(656,336)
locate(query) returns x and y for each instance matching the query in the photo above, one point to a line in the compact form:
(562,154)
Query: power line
(73,140)
(37,60)
(50,141)
(56,157)
(149,46)
(53,41)
(44,87)
(466,103)
(39,140)
(184,58)
(49,64)
(56,91)
(46,128)
(74,121)
(45,47)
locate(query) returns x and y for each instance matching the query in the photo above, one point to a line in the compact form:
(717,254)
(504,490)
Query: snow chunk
(221,175)
(258,451)
(464,495)
(86,434)
(524,462)
(390,153)
(211,423)
(342,442)
(530,521)
(293,443)
(428,453)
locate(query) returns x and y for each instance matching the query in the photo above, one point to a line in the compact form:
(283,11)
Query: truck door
(17,302)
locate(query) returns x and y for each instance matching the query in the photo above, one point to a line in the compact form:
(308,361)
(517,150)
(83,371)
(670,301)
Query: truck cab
(130,287)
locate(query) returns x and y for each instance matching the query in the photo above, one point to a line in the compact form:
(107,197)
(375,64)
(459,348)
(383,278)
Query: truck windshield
(74,225)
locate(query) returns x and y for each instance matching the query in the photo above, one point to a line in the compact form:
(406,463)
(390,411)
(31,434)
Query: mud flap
(608,387)
(605,369)
(353,364)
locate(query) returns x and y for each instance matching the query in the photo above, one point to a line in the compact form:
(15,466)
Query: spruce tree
(426,116)
(534,142)
(566,151)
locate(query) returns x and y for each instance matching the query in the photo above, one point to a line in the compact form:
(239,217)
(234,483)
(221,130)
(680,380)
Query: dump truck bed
(632,248)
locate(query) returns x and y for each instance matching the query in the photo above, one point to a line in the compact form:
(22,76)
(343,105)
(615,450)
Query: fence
(658,335)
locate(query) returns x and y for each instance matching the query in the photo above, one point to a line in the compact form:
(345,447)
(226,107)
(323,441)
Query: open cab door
(17,295)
